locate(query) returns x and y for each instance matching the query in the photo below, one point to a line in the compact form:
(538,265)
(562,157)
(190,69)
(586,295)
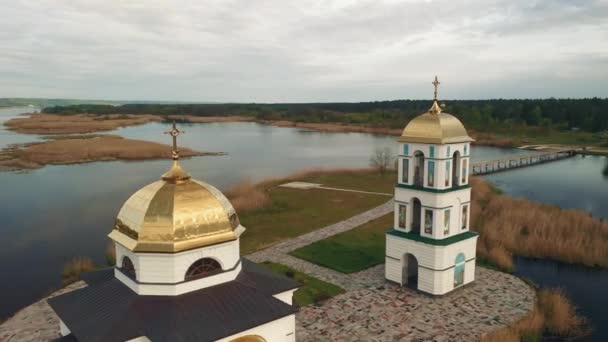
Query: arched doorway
(409,273)
(459,264)
(416,214)
(455,169)
(418,168)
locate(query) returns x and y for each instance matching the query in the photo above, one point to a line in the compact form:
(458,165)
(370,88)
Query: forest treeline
(586,114)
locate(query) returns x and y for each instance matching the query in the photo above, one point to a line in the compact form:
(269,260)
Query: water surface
(584,286)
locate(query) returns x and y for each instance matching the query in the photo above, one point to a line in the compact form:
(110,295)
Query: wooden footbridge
(514,162)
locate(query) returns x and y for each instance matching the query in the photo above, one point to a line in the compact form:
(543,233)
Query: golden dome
(435,127)
(175,214)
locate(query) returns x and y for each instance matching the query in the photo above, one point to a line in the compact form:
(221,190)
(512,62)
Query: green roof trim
(422,188)
(423,239)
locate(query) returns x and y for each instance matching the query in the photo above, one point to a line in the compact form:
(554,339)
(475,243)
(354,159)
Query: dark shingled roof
(107,310)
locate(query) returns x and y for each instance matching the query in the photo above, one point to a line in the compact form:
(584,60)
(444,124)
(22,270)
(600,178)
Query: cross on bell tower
(436,83)
(174,132)
(435,108)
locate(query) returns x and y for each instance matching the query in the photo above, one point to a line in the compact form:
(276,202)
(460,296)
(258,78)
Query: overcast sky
(302,51)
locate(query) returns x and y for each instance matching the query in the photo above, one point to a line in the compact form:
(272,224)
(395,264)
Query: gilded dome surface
(175,214)
(435,127)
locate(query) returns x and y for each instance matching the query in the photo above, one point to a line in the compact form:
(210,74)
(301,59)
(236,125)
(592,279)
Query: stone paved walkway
(393,313)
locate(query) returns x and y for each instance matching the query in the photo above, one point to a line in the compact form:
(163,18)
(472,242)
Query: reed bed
(110,254)
(522,227)
(553,316)
(247,196)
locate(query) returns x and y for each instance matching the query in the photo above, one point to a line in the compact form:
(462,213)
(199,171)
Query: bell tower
(430,247)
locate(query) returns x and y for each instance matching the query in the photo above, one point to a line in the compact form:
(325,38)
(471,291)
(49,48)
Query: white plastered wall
(171,267)
(286,296)
(180,288)
(164,273)
(438,202)
(440,158)
(63,329)
(435,263)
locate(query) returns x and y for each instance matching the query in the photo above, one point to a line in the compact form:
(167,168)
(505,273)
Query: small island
(74,149)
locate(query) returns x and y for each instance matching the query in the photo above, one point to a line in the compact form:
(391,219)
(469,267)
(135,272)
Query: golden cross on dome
(174,132)
(436,83)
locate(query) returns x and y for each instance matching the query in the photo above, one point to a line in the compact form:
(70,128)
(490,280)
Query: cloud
(288,51)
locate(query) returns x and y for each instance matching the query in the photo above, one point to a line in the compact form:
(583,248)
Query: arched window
(203,268)
(127,268)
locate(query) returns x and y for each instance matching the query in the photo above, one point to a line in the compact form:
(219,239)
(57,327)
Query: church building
(430,247)
(179,275)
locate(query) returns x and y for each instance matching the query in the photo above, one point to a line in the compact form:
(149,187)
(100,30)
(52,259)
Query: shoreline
(54,124)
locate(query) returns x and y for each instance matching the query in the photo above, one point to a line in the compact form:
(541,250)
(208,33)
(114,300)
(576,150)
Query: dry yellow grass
(560,315)
(553,315)
(75,267)
(531,229)
(110,254)
(80,123)
(84,149)
(501,257)
(246,196)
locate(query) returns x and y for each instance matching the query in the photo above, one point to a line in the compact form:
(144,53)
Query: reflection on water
(576,182)
(8,137)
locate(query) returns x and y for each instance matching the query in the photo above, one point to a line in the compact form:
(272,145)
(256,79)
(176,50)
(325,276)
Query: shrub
(553,314)
(247,196)
(110,254)
(560,314)
(75,267)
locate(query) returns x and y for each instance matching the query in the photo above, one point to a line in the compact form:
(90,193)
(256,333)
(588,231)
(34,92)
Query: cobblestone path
(393,313)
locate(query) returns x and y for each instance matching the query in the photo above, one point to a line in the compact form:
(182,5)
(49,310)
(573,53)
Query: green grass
(357,180)
(313,290)
(351,251)
(294,212)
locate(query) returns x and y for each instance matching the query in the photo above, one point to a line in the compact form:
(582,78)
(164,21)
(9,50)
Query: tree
(381,159)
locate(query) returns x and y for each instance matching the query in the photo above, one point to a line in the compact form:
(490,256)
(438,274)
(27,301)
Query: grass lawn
(312,290)
(293,212)
(357,180)
(351,251)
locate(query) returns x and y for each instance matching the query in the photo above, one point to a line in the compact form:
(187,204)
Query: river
(52,214)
